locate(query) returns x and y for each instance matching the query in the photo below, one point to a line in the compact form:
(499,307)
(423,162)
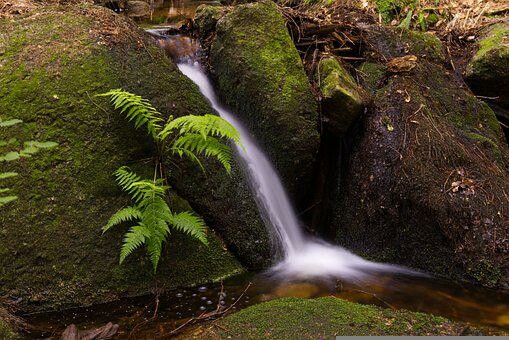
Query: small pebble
(203,298)
(179,295)
(194,294)
(209,302)
(202,308)
(202,289)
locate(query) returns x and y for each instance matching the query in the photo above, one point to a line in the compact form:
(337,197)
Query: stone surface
(52,251)
(424,183)
(342,103)
(488,71)
(260,75)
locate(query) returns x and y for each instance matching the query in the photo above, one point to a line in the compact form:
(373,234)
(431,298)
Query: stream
(308,268)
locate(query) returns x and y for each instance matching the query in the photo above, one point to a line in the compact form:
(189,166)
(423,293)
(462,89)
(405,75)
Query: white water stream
(303,257)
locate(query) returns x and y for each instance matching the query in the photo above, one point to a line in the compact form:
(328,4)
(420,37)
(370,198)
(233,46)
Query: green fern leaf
(207,125)
(121,216)
(5,175)
(190,224)
(136,109)
(134,238)
(209,147)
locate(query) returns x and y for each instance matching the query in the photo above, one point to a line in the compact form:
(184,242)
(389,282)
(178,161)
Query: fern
(189,136)
(136,109)
(209,147)
(29,148)
(151,216)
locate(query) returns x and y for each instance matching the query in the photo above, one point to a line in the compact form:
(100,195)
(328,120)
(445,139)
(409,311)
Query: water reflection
(172,12)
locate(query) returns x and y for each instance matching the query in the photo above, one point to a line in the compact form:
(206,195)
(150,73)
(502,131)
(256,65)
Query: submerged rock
(52,251)
(260,75)
(342,103)
(425,183)
(488,71)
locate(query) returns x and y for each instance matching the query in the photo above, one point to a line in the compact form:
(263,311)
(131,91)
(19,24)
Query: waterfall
(303,256)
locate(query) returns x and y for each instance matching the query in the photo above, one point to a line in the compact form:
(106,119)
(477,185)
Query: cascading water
(303,257)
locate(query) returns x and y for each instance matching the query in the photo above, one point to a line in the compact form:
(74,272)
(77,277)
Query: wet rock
(137,9)
(260,75)
(488,71)
(412,190)
(342,103)
(52,253)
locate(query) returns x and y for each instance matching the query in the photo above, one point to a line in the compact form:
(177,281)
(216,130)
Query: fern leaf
(136,109)
(209,147)
(154,249)
(123,215)
(207,125)
(134,238)
(189,154)
(190,224)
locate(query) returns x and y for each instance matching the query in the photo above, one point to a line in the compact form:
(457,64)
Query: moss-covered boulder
(342,102)
(260,75)
(425,183)
(488,71)
(294,318)
(52,254)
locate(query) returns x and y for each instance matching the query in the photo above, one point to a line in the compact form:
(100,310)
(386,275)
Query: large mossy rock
(52,253)
(426,181)
(294,318)
(488,71)
(260,75)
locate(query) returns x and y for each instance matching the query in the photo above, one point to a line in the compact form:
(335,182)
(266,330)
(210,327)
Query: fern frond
(207,125)
(189,154)
(190,224)
(134,238)
(154,249)
(209,147)
(123,215)
(136,109)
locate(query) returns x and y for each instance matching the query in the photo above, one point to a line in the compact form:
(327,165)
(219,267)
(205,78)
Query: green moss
(495,40)
(488,71)
(260,74)
(207,17)
(291,318)
(342,103)
(486,272)
(371,74)
(486,142)
(53,253)
(7,333)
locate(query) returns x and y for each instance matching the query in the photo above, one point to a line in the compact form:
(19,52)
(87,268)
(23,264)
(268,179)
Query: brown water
(173,12)
(135,316)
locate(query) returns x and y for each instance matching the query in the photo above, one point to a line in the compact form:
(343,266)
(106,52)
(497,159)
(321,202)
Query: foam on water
(302,257)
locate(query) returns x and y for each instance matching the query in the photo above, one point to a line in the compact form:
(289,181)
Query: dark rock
(427,173)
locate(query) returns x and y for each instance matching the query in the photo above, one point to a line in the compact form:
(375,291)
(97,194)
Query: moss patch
(7,333)
(488,71)
(326,317)
(342,103)
(52,252)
